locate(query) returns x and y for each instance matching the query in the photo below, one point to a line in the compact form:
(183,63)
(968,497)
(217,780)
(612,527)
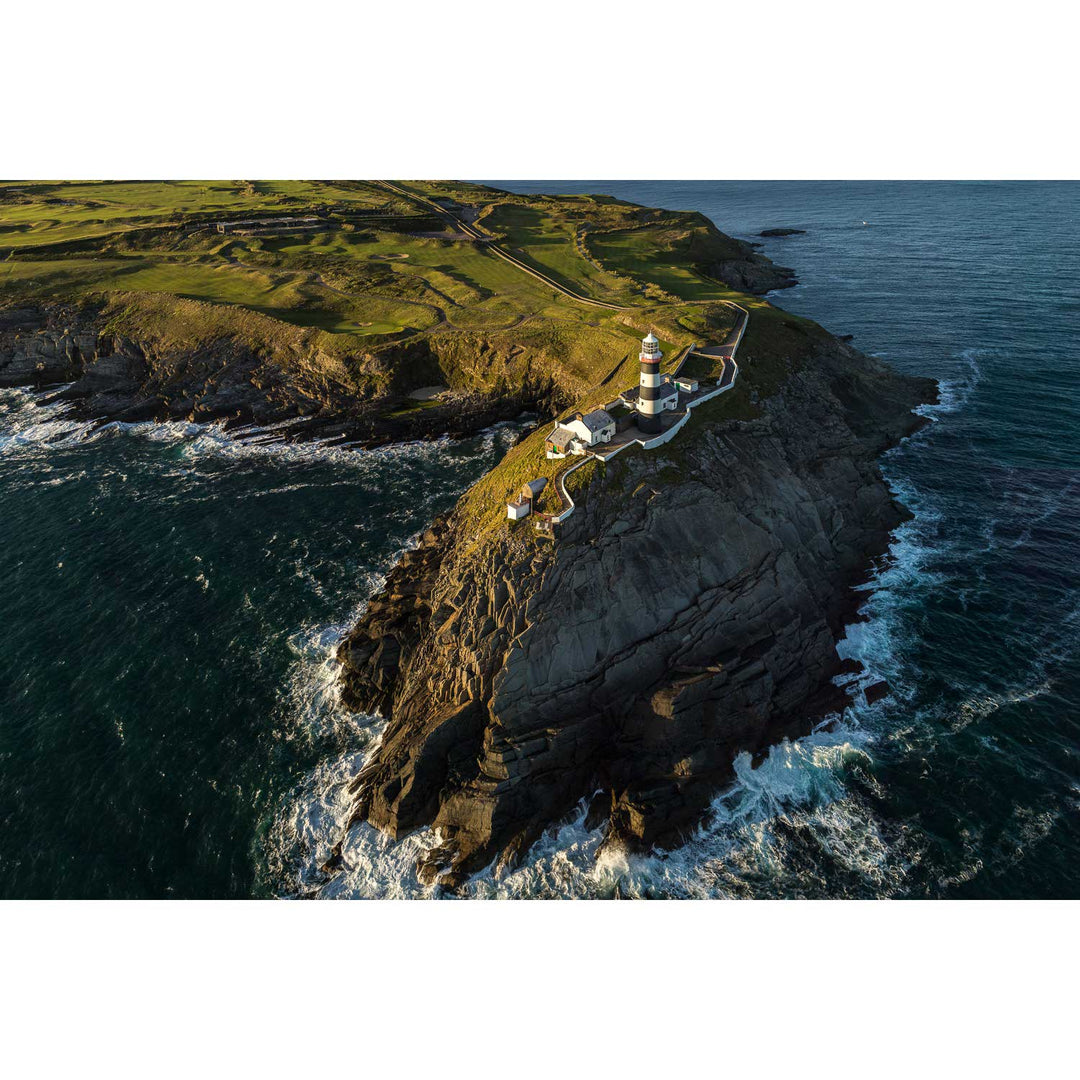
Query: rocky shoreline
(689,612)
(106,376)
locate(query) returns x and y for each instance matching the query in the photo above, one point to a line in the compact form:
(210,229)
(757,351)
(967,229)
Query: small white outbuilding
(522,506)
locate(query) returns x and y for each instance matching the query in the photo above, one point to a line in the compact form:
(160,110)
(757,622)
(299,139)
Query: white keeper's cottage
(585,430)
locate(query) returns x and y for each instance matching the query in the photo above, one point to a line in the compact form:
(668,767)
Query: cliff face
(689,611)
(144,356)
(752,273)
(130,375)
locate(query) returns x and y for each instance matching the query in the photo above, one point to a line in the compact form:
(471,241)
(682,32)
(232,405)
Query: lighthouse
(649,394)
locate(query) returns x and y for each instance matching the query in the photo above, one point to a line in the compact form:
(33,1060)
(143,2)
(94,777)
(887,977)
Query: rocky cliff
(128,371)
(145,356)
(689,611)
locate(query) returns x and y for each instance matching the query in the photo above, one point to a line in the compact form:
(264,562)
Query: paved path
(676,418)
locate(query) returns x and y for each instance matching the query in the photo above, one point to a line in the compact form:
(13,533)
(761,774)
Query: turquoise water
(168,717)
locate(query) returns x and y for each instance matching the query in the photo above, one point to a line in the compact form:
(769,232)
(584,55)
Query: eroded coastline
(482,743)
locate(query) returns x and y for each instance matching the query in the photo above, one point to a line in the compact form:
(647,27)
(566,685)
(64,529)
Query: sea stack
(649,404)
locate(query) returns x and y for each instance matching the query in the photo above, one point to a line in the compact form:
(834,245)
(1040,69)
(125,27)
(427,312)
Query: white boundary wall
(667,436)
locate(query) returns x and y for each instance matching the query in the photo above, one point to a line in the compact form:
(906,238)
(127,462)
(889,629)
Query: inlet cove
(430,538)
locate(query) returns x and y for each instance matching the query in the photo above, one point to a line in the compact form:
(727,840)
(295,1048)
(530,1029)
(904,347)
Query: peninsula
(723,506)
(359,311)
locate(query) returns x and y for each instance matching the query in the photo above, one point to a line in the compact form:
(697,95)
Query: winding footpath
(546,522)
(726,352)
(490,245)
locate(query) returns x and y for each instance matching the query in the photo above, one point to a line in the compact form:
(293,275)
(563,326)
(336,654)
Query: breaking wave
(814,817)
(812,792)
(27,422)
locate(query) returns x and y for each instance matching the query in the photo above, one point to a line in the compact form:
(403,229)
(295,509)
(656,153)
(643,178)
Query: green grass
(703,367)
(546,239)
(387,311)
(365,284)
(412,407)
(642,254)
(284,296)
(482,510)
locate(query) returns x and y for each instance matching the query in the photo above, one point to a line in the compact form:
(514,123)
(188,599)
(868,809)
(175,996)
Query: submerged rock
(782,232)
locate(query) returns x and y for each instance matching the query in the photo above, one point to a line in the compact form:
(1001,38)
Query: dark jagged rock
(750,271)
(690,611)
(751,276)
(782,232)
(132,377)
(393,623)
(876,691)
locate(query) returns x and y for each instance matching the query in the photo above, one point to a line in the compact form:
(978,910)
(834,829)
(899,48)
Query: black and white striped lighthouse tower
(649,390)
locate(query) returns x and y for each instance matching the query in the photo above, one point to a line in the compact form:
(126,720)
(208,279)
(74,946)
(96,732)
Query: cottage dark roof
(561,437)
(598,419)
(535,486)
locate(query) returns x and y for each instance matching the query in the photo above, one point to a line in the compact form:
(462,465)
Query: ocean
(169,719)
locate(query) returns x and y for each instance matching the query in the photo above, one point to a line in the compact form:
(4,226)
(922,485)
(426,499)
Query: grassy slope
(365,286)
(358,287)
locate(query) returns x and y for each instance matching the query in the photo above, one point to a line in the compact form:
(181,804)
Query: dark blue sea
(169,719)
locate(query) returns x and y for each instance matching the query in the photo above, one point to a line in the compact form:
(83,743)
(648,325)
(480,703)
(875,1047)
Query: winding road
(546,522)
(489,245)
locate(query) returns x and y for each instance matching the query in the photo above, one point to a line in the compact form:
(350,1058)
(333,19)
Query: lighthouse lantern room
(649,394)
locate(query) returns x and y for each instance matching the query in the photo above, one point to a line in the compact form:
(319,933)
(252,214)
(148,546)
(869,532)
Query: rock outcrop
(132,376)
(752,272)
(689,611)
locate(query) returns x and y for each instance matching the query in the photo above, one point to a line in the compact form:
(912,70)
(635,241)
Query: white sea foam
(800,794)
(25,422)
(800,783)
(955,391)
